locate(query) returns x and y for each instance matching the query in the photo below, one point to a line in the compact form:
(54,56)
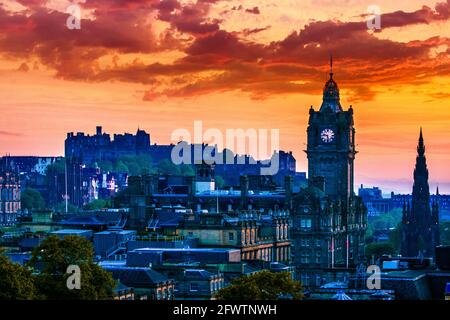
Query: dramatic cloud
(190,18)
(211,59)
(8,133)
(254,10)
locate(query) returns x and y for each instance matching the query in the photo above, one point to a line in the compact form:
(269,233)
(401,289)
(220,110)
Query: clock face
(327,135)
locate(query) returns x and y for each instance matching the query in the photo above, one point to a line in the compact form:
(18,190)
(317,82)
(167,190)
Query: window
(305,279)
(230,236)
(190,234)
(194,286)
(305,223)
(304,257)
(318,280)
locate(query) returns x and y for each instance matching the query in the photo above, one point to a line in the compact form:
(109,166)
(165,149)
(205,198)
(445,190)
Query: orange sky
(160,65)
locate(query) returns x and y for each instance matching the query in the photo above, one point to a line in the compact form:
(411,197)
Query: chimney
(244,190)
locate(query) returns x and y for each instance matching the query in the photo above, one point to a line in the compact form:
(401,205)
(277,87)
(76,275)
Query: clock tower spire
(331,100)
(331,67)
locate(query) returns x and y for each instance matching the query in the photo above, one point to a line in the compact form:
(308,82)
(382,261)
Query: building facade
(257,236)
(329,221)
(83,152)
(9,197)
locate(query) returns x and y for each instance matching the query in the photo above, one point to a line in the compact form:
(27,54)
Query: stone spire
(421,145)
(420,232)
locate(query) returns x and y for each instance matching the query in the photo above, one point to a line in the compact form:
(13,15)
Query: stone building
(9,197)
(320,229)
(83,151)
(147,284)
(257,236)
(329,221)
(100,146)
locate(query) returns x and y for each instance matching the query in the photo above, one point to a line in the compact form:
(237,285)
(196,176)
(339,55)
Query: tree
(219,182)
(168,167)
(119,166)
(145,163)
(187,170)
(52,258)
(61,207)
(386,220)
(134,164)
(16,282)
(264,285)
(31,199)
(57,167)
(105,165)
(133,168)
(395,237)
(445,232)
(377,249)
(97,204)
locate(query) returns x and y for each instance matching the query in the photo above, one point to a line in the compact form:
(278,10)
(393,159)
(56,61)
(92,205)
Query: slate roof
(198,274)
(92,221)
(138,277)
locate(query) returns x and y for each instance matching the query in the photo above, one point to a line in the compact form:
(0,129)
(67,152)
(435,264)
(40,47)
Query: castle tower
(420,232)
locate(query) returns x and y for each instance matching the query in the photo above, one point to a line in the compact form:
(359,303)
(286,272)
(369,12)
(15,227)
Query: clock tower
(331,143)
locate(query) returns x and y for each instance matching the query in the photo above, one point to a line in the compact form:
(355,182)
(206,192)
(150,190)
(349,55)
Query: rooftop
(413,274)
(71,231)
(143,250)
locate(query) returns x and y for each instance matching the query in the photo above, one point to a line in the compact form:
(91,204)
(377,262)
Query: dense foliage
(50,262)
(16,282)
(98,204)
(264,285)
(377,249)
(31,199)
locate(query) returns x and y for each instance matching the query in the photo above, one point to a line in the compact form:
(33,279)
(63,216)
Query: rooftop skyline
(160,65)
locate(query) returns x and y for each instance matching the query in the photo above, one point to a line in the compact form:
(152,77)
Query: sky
(161,65)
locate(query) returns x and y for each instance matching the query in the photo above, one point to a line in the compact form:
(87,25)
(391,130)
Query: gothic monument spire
(420,224)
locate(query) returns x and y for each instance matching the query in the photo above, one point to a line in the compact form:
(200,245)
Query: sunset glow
(161,65)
